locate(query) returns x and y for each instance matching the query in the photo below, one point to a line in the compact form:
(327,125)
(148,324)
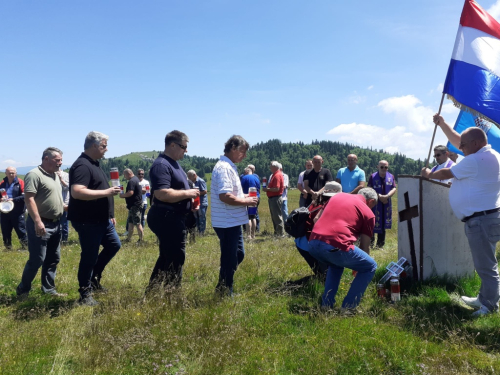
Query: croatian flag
(473,79)
(467,120)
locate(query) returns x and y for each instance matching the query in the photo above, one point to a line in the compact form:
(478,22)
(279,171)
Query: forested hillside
(291,155)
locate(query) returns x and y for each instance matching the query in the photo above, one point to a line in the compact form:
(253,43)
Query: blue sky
(364,72)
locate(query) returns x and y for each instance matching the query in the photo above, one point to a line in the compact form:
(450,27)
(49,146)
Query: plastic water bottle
(121,189)
(115,177)
(252,192)
(264,182)
(148,193)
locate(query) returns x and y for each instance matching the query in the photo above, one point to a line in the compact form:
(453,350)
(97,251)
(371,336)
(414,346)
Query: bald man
(14,219)
(475,199)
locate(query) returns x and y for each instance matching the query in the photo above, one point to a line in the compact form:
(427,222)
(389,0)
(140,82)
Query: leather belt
(480,213)
(45,220)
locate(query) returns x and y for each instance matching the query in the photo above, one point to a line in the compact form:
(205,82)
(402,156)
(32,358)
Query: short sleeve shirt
(350,179)
(136,199)
(202,185)
(87,172)
(477,183)
(225,179)
(143,184)
(166,173)
(345,218)
(248,181)
(47,190)
(318,180)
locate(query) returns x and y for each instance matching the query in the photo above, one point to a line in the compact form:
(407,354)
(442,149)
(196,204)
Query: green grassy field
(268,327)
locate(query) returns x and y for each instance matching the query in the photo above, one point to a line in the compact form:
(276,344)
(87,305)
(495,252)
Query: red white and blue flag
(473,79)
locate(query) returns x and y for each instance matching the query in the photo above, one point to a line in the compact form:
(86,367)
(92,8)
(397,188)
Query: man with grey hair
(201,213)
(91,210)
(274,191)
(43,197)
(14,188)
(345,219)
(133,198)
(475,199)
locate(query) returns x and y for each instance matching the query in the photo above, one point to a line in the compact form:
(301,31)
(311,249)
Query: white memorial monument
(429,235)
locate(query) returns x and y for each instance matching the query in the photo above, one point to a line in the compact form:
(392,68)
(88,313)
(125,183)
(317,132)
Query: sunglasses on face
(437,155)
(181,146)
(384,167)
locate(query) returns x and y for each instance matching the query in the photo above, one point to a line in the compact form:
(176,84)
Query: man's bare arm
(364,243)
(442,174)
(174,196)
(83,193)
(361,185)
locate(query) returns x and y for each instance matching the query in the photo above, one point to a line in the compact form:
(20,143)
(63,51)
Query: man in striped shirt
(229,210)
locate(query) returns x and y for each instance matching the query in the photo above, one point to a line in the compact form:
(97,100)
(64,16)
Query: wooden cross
(406,215)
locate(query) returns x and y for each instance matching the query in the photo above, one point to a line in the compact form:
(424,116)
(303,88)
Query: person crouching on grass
(346,218)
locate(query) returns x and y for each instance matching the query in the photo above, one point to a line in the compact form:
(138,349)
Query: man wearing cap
(475,199)
(14,187)
(43,196)
(345,219)
(384,184)
(351,177)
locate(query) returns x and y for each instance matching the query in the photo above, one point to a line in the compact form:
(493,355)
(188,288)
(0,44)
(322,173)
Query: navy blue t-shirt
(166,173)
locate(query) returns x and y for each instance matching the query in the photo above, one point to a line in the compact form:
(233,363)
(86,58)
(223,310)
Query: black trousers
(13,220)
(380,239)
(170,228)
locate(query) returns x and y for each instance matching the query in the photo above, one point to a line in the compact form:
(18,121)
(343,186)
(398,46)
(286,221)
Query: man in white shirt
(475,199)
(442,154)
(229,211)
(143,182)
(300,183)
(284,196)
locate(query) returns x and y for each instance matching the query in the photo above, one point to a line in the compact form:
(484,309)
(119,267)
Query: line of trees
(292,156)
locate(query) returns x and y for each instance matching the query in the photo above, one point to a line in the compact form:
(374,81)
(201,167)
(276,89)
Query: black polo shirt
(87,172)
(317,181)
(166,173)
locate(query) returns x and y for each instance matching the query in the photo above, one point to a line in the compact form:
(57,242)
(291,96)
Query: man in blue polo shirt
(352,178)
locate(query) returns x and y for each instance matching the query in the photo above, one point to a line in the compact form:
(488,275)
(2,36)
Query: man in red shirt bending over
(274,191)
(345,218)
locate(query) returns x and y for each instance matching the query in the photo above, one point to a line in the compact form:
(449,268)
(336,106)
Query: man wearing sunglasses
(385,186)
(441,154)
(475,199)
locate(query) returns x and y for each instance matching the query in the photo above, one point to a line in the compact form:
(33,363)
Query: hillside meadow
(269,327)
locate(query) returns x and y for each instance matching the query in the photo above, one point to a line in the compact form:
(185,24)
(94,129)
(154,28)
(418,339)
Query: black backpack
(295,225)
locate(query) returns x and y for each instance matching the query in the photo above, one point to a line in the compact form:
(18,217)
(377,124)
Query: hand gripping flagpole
(434,134)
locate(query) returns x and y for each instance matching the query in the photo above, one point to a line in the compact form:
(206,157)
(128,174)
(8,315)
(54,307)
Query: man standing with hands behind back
(475,199)
(316,179)
(91,210)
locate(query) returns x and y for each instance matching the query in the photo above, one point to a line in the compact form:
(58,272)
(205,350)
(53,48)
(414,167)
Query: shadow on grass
(37,307)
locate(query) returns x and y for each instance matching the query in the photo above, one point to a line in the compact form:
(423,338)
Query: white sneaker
(483,310)
(472,301)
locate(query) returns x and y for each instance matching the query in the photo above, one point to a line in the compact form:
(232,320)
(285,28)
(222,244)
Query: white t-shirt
(301,179)
(143,183)
(284,196)
(225,179)
(447,164)
(477,183)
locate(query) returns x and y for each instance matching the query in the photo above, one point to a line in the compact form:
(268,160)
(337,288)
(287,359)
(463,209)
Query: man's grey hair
(369,193)
(281,166)
(275,164)
(128,171)
(248,170)
(191,173)
(94,138)
(51,151)
(252,167)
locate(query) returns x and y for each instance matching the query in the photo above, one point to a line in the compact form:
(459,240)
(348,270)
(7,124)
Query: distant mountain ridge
(291,155)
(24,170)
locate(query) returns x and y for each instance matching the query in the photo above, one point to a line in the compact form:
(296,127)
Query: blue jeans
(483,233)
(284,210)
(64,226)
(44,252)
(92,263)
(356,260)
(143,212)
(201,219)
(170,228)
(232,253)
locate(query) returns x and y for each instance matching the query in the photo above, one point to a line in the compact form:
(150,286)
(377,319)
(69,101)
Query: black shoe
(96,285)
(87,301)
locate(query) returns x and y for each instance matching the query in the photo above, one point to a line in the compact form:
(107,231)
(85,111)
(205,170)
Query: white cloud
(494,10)
(412,134)
(370,87)
(9,163)
(409,112)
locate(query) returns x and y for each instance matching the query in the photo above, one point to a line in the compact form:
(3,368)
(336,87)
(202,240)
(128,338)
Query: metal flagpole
(434,134)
